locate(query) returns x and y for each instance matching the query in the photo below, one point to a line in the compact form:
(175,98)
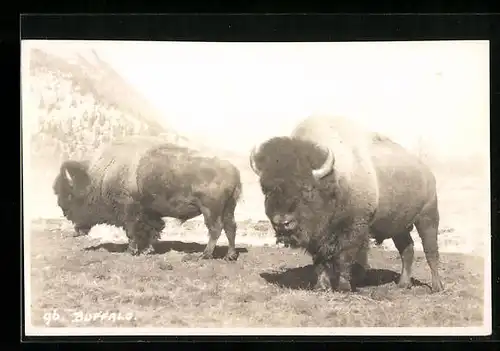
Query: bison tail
(231,201)
(237,192)
(238,187)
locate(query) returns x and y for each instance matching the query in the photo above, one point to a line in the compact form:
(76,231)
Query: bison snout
(284,222)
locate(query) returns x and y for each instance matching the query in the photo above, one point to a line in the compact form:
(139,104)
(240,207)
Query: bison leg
(324,272)
(427,228)
(214,225)
(148,240)
(355,244)
(131,217)
(152,226)
(335,275)
(362,258)
(133,247)
(361,265)
(343,264)
(136,241)
(229,225)
(404,244)
(147,233)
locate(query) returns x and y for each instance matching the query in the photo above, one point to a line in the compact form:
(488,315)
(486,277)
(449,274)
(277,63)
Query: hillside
(81,103)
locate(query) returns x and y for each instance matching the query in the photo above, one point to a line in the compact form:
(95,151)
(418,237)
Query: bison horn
(252,161)
(326,167)
(68,177)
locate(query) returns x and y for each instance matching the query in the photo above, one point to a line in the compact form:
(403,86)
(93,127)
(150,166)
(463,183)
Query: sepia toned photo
(203,188)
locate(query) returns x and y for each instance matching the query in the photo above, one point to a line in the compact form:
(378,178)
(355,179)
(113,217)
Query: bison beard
(142,228)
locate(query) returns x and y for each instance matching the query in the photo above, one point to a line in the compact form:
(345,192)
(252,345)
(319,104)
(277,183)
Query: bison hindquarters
(427,227)
(216,220)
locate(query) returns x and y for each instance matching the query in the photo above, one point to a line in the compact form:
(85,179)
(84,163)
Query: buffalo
(135,181)
(332,185)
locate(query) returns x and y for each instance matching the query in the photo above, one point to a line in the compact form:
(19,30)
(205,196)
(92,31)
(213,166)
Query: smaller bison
(133,182)
(331,185)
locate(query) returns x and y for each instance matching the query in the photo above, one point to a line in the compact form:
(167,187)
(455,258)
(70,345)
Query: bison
(135,181)
(332,185)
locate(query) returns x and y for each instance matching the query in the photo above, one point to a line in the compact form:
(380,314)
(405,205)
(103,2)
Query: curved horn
(252,160)
(68,177)
(326,167)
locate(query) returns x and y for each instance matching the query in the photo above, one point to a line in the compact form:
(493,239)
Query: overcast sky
(234,94)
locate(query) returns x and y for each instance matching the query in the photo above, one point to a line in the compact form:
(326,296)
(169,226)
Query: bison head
(71,187)
(299,200)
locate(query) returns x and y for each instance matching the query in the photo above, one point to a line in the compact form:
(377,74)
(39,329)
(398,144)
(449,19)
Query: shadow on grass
(304,278)
(162,247)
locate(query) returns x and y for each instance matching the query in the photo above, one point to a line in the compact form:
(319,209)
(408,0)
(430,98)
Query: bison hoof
(437,286)
(231,256)
(323,285)
(149,251)
(344,286)
(190,257)
(404,284)
(133,250)
(206,256)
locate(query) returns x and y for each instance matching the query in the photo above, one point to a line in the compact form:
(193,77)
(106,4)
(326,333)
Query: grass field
(266,287)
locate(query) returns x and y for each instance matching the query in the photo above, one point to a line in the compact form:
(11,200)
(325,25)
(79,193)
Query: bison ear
(75,174)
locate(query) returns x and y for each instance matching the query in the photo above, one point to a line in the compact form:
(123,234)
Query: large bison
(134,182)
(331,185)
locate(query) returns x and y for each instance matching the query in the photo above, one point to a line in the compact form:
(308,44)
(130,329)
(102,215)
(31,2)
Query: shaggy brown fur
(372,188)
(134,182)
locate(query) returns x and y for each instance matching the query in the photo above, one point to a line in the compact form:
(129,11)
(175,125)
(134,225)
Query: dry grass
(266,287)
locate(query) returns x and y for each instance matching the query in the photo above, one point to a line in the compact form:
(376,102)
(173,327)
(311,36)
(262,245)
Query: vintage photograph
(209,188)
